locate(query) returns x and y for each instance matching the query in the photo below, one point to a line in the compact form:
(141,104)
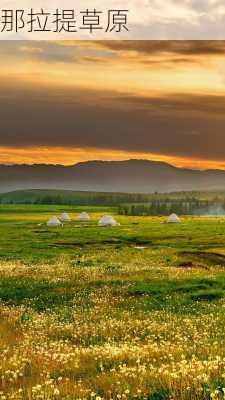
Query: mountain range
(131,176)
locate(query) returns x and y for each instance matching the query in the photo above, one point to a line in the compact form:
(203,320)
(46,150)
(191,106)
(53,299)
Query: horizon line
(108,161)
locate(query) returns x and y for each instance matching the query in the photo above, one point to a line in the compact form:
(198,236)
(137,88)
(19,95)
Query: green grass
(23,238)
(198,243)
(39,294)
(175,294)
(124,301)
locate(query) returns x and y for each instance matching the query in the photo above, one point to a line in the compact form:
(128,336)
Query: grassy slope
(78,197)
(22,237)
(112,320)
(67,197)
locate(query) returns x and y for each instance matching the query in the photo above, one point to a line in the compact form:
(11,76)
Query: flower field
(135,311)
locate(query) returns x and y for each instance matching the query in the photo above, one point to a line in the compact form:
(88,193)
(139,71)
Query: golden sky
(65,102)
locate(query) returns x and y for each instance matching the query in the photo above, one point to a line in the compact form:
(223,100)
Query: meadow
(135,311)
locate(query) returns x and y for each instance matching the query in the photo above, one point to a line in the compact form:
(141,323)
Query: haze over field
(131,176)
(67,102)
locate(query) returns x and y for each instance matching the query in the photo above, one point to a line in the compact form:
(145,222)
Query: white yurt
(173,219)
(84,217)
(54,221)
(64,217)
(107,220)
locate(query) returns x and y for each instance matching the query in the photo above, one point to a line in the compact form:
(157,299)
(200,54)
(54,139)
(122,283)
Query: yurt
(54,221)
(64,217)
(107,220)
(173,219)
(84,217)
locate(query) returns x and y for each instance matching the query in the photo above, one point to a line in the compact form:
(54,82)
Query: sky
(71,101)
(148,19)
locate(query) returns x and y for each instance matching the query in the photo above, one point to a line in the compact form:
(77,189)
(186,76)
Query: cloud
(57,52)
(155,54)
(95,60)
(148,19)
(158,54)
(154,97)
(160,47)
(182,125)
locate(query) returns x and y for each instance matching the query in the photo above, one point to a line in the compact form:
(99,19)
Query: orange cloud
(164,96)
(70,156)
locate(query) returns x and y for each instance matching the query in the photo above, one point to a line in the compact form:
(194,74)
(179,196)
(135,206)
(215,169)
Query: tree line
(71,198)
(168,206)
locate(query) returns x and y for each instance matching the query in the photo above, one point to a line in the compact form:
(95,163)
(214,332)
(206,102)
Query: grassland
(75,198)
(131,312)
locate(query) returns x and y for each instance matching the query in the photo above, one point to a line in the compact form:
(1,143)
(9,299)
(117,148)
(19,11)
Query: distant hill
(69,197)
(131,176)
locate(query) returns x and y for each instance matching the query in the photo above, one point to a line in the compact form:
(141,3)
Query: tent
(173,219)
(107,220)
(54,221)
(64,217)
(84,217)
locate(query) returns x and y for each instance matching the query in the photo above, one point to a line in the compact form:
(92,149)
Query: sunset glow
(78,101)
(70,156)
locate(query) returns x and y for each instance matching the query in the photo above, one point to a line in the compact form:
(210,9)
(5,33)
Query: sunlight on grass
(135,312)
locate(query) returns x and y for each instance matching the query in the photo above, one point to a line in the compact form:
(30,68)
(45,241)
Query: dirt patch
(40,232)
(89,243)
(68,244)
(111,242)
(208,257)
(140,247)
(192,265)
